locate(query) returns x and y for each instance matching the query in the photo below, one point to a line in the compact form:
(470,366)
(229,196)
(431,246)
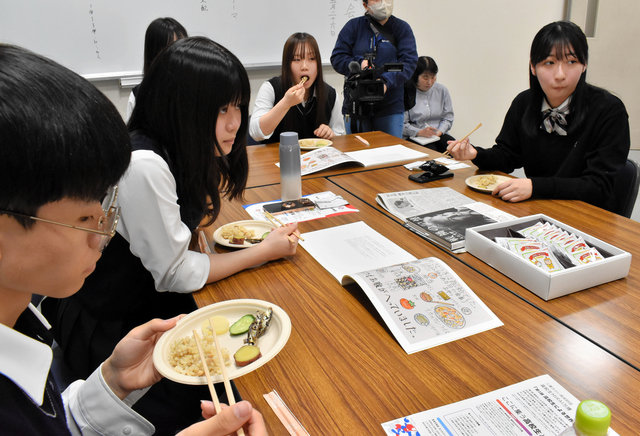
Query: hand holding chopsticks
(275,221)
(447,154)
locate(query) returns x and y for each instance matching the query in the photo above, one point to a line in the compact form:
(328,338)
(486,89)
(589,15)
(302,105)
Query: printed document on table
(539,406)
(341,207)
(327,157)
(383,155)
(423,302)
(404,204)
(352,248)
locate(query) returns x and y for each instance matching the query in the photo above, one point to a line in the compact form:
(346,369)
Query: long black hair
(567,39)
(60,136)
(299,43)
(160,33)
(178,104)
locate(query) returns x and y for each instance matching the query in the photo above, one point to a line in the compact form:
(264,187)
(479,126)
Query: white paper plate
(472,182)
(270,343)
(260,227)
(313,143)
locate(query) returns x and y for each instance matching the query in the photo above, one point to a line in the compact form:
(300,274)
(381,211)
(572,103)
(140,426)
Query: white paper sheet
(538,406)
(352,248)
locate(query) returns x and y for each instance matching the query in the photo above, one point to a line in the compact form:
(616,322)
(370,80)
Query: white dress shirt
(265,100)
(150,221)
(131,103)
(90,406)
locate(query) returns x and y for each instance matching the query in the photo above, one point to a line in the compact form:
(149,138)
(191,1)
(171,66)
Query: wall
(613,53)
(481,47)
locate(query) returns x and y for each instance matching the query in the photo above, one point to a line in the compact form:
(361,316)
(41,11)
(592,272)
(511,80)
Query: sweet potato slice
(247,354)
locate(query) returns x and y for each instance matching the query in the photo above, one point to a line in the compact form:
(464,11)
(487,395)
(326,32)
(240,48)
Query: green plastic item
(592,418)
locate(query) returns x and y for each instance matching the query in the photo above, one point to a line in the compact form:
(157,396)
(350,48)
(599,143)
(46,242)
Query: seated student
(285,105)
(571,137)
(189,154)
(160,33)
(55,168)
(427,104)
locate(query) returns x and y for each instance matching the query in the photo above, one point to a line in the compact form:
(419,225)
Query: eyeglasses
(106,224)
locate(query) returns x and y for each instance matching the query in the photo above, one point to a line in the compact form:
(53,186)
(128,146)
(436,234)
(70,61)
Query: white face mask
(381,10)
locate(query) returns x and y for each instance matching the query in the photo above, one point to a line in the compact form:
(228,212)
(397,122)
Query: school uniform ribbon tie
(553,120)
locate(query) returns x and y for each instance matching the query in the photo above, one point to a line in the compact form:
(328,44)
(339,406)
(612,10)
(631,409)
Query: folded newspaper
(441,215)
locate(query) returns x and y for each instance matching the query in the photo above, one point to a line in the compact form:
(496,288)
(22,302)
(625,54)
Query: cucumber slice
(242,325)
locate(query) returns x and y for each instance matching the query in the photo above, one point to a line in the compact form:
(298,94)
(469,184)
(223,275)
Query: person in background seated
(389,39)
(188,133)
(428,109)
(283,104)
(571,138)
(160,33)
(58,170)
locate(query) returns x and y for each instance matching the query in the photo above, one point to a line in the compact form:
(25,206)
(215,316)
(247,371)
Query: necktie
(554,119)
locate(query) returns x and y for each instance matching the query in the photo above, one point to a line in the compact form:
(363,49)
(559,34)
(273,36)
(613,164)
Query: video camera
(362,89)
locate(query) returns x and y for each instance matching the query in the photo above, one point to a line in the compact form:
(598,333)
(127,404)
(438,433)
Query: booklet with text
(539,406)
(423,302)
(327,157)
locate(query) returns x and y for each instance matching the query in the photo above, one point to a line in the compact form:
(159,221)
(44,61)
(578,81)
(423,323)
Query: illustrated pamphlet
(327,157)
(539,406)
(423,302)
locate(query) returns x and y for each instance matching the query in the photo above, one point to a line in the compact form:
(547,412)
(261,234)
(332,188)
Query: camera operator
(365,44)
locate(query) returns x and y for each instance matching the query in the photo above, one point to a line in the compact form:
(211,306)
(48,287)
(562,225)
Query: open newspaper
(539,406)
(423,302)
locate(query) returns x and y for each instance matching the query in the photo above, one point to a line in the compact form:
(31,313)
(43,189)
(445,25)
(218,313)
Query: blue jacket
(357,38)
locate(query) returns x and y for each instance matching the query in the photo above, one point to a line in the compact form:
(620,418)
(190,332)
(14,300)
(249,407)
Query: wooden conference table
(343,373)
(604,314)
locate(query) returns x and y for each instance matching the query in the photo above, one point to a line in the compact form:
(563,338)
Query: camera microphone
(354,67)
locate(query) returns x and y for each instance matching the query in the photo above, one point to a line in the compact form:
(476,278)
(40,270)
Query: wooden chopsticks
(446,153)
(273,220)
(225,377)
(304,79)
(212,390)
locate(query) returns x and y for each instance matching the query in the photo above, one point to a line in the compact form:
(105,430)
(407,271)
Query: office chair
(626,188)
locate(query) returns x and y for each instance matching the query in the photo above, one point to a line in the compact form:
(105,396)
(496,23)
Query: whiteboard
(104,39)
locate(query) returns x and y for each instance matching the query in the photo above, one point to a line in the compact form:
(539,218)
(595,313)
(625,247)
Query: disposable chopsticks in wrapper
(283,413)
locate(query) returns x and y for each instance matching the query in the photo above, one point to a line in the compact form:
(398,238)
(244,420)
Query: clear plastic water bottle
(592,419)
(290,173)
